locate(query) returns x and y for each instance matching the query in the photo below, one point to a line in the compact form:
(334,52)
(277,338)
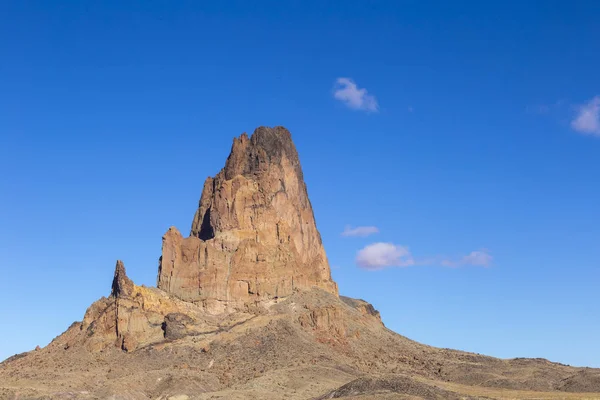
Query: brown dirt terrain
(311,345)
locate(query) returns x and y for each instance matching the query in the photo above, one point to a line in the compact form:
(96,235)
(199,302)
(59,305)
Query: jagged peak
(273,140)
(121,285)
(252,155)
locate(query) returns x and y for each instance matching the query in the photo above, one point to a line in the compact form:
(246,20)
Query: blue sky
(461,140)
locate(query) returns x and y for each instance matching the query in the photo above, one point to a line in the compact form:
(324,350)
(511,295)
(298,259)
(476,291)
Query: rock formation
(130,317)
(136,316)
(254,236)
(253,240)
(246,308)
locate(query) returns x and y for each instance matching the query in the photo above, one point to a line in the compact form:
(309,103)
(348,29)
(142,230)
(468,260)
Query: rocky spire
(254,235)
(121,285)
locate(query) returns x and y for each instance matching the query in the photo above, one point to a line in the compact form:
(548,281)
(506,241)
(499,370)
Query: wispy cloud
(478,258)
(361,231)
(347,92)
(587,120)
(382,255)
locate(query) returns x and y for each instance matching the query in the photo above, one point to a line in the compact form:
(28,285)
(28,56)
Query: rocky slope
(246,309)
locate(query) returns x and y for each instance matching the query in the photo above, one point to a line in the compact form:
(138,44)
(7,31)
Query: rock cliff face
(254,236)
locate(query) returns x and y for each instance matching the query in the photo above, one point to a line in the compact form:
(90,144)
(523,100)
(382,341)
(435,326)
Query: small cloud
(362,231)
(411,109)
(479,258)
(381,255)
(587,120)
(348,93)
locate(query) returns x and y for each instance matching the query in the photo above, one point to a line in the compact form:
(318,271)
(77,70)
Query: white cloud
(361,231)
(348,93)
(587,120)
(381,255)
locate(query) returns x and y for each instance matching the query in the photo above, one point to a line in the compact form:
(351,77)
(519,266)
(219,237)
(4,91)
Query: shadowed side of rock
(122,285)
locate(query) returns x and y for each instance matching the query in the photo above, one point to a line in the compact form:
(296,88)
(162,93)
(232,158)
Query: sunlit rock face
(254,236)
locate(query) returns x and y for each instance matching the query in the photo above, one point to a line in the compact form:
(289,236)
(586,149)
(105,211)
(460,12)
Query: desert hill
(245,308)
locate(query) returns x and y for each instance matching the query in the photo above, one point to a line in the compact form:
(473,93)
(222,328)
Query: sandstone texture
(254,236)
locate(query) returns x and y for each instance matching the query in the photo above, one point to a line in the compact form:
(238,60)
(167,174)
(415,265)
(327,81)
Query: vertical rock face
(254,235)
